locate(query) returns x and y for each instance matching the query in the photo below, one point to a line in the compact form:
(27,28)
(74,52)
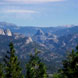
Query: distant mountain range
(53,42)
(30,30)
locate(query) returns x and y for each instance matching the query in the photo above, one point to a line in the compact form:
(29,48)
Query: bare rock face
(8,32)
(17,35)
(29,40)
(2,32)
(39,32)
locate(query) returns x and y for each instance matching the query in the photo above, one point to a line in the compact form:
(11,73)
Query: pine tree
(70,66)
(1,71)
(35,68)
(12,66)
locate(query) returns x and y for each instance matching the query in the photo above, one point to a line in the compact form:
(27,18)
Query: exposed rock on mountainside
(17,35)
(8,32)
(57,44)
(5,32)
(39,36)
(39,32)
(29,40)
(2,32)
(44,37)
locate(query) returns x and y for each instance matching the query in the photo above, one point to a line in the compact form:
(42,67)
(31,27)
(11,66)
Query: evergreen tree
(70,66)
(35,68)
(12,66)
(1,71)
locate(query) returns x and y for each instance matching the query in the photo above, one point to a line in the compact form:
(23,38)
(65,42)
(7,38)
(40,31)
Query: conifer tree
(12,65)
(35,68)
(70,66)
(1,71)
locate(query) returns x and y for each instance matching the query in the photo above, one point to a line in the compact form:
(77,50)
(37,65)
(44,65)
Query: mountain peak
(39,32)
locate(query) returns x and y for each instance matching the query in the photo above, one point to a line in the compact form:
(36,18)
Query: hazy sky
(39,12)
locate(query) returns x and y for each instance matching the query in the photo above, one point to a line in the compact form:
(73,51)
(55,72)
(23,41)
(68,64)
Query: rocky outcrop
(28,40)
(39,32)
(2,32)
(17,35)
(5,32)
(8,32)
(42,37)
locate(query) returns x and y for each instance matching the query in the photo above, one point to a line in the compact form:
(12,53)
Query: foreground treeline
(10,68)
(35,68)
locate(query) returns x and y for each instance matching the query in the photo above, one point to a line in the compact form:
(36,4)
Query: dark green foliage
(12,66)
(70,66)
(35,68)
(1,71)
(58,75)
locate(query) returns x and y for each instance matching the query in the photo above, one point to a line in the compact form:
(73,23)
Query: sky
(41,13)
